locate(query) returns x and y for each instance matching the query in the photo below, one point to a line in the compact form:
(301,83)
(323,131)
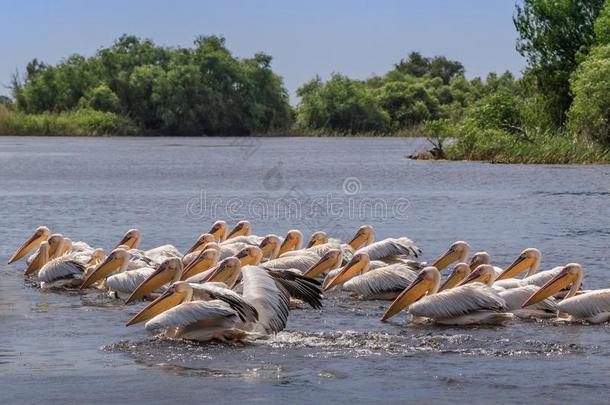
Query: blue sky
(305,38)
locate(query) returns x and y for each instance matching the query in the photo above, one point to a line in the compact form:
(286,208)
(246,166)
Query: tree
(590,111)
(554,36)
(438,66)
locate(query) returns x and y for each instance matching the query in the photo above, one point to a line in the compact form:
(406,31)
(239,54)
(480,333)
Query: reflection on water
(95,189)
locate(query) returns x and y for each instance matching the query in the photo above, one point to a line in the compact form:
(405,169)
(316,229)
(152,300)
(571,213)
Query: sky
(305,38)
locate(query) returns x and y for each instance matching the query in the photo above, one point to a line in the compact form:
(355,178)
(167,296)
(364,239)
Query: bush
(83,122)
(590,111)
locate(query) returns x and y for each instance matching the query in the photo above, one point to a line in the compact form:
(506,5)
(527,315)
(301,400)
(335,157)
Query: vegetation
(557,112)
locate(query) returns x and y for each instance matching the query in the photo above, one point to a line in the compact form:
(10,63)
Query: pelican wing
(395,277)
(128,281)
(214,291)
(250,240)
(301,287)
(300,262)
(270,299)
(163,252)
(60,268)
(516,297)
(391,247)
(458,301)
(541,278)
(588,304)
(81,246)
(231,249)
(206,313)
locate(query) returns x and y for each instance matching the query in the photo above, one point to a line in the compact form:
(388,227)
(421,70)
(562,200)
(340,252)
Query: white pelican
(202,241)
(117,261)
(329,261)
(41,234)
(365,235)
(242,228)
(317,238)
(132,239)
(384,282)
(219,230)
(591,306)
(292,241)
(457,252)
(528,260)
(467,304)
(460,272)
(301,262)
(270,247)
(164,275)
(206,312)
(480,258)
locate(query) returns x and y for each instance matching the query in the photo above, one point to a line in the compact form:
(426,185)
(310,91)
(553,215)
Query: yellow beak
(158,279)
(517,267)
(239,230)
(195,267)
(127,241)
(453,280)
(166,301)
(319,268)
(414,292)
(35,265)
(357,241)
(552,287)
(102,271)
(197,247)
(33,242)
(352,269)
(446,259)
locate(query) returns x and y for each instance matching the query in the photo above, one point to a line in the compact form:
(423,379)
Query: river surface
(71,347)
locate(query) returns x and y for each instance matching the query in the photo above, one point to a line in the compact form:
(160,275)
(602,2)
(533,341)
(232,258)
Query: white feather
(270,300)
(390,247)
(587,305)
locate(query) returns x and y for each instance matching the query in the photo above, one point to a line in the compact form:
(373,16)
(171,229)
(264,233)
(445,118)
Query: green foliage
(192,91)
(554,36)
(590,111)
(82,122)
(439,66)
(602,25)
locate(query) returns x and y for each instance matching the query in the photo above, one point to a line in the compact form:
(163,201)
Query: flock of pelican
(233,285)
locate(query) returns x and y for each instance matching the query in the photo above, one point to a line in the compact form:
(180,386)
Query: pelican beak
(219,274)
(358,240)
(414,292)
(311,243)
(35,265)
(266,247)
(237,231)
(158,279)
(320,267)
(216,231)
(195,267)
(446,259)
(552,287)
(106,268)
(33,242)
(517,267)
(286,246)
(168,300)
(243,258)
(452,281)
(127,241)
(197,247)
(353,268)
(476,277)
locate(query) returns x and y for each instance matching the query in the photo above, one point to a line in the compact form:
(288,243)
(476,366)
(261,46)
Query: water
(72,347)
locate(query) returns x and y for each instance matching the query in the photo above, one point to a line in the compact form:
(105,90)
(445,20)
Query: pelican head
(205,260)
(219,230)
(97,256)
(459,273)
(170,269)
(40,235)
(570,274)
(270,246)
(331,260)
(359,264)
(56,244)
(242,228)
(250,255)
(484,273)
(202,241)
(131,239)
(364,236)
(41,258)
(117,259)
(66,246)
(457,252)
(226,272)
(178,293)
(292,241)
(478,259)
(427,282)
(528,260)
(317,238)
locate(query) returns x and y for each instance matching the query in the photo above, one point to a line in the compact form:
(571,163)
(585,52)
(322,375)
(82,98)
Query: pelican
(219,230)
(270,247)
(41,234)
(317,238)
(169,274)
(329,261)
(480,258)
(468,304)
(528,260)
(384,282)
(292,241)
(460,272)
(301,262)
(592,306)
(207,312)
(365,235)
(202,241)
(132,239)
(457,252)
(242,228)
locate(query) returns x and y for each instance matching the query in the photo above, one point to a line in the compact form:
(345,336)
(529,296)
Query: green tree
(554,36)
